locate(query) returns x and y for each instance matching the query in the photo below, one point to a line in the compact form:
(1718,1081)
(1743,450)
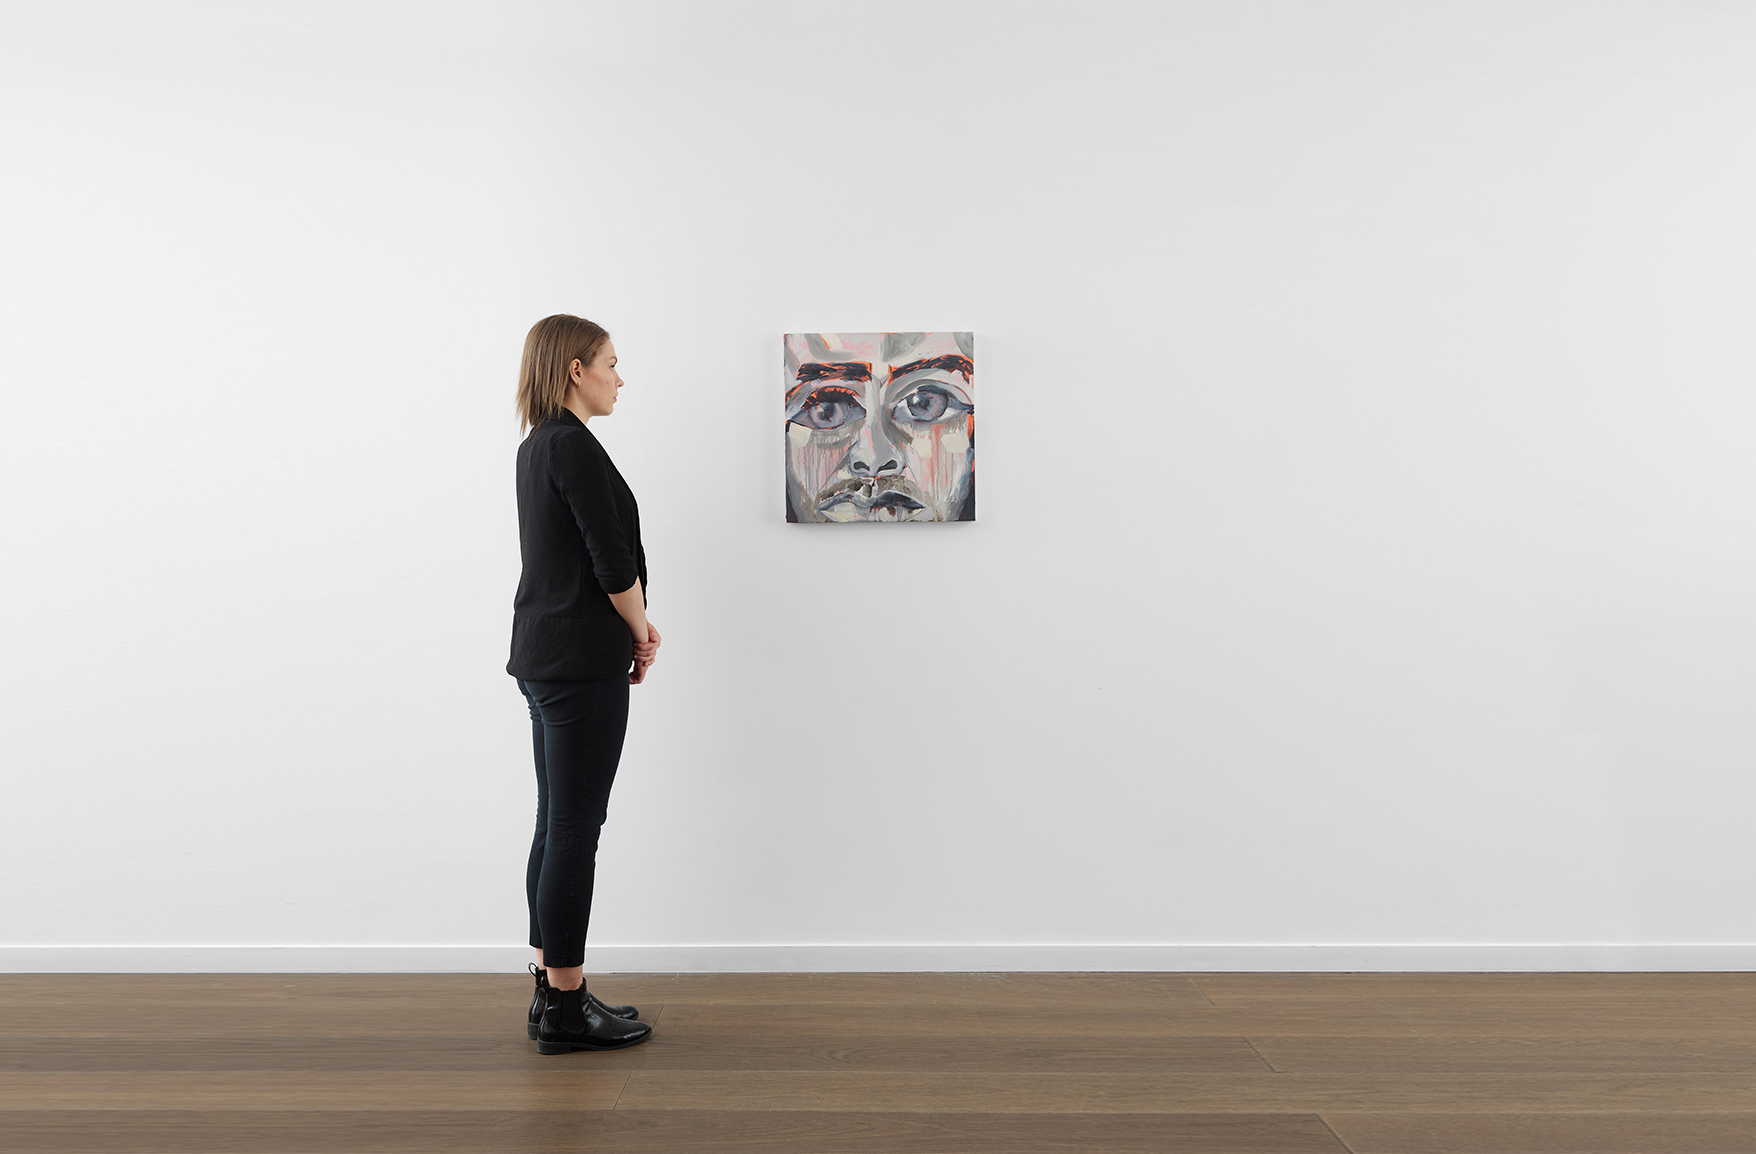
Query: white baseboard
(889,958)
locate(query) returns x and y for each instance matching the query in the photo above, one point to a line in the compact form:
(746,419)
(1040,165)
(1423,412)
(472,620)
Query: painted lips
(889,499)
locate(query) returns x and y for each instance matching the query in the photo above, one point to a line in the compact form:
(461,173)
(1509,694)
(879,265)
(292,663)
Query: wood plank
(388,1092)
(421,1025)
(196,988)
(197,1052)
(712,1020)
(1364,1018)
(678,1050)
(1205,1093)
(1071,991)
(1451,1055)
(666,1051)
(1680,1133)
(665,1132)
(589,1088)
(425,1020)
(1646,1006)
(1552,987)
(316,1018)
(338,993)
(1118,991)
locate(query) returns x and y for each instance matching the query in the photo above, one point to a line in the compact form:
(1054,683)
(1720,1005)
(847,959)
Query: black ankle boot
(536,1003)
(572,1020)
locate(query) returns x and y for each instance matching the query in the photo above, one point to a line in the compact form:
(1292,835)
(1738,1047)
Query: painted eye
(923,405)
(827,409)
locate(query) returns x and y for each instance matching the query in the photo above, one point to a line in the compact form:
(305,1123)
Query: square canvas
(880,426)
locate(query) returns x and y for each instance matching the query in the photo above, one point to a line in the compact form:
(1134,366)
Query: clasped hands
(645,653)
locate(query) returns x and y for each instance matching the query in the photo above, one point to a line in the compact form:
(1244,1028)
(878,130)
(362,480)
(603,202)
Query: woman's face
(596,386)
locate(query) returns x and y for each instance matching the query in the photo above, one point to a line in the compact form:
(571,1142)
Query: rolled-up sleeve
(582,475)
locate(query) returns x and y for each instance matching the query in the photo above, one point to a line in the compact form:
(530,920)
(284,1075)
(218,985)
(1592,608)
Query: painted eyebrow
(835,371)
(814,371)
(952,361)
(837,391)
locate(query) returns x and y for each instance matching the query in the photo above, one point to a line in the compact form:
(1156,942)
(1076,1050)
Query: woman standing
(580,638)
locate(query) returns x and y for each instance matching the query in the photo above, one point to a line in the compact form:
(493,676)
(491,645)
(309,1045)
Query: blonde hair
(552,344)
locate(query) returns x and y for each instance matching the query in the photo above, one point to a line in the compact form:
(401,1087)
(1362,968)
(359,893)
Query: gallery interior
(1329,736)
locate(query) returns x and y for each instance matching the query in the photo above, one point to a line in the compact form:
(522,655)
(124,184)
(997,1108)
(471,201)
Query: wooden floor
(874,1063)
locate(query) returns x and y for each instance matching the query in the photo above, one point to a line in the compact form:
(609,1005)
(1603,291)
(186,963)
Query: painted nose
(873,455)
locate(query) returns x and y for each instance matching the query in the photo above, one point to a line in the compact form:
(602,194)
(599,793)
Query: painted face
(880,427)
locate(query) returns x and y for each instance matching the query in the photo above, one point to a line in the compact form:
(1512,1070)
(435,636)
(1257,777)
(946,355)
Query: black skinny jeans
(576,732)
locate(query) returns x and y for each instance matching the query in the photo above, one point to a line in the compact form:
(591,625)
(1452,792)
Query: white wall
(1364,552)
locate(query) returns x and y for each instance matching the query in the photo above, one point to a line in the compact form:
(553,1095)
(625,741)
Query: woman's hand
(647,650)
(645,653)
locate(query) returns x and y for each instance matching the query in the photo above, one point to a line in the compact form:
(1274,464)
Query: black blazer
(579,536)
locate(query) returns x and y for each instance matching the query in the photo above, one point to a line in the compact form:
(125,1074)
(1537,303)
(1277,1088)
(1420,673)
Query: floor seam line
(1265,1062)
(1324,1122)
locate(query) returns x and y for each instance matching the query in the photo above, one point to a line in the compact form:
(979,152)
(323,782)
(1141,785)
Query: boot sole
(566,1047)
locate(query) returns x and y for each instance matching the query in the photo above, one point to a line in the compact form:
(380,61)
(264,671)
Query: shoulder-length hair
(552,344)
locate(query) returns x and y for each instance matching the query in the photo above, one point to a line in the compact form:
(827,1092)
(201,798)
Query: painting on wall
(880,427)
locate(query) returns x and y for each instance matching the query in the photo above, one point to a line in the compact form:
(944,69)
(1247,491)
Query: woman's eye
(829,412)
(923,405)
